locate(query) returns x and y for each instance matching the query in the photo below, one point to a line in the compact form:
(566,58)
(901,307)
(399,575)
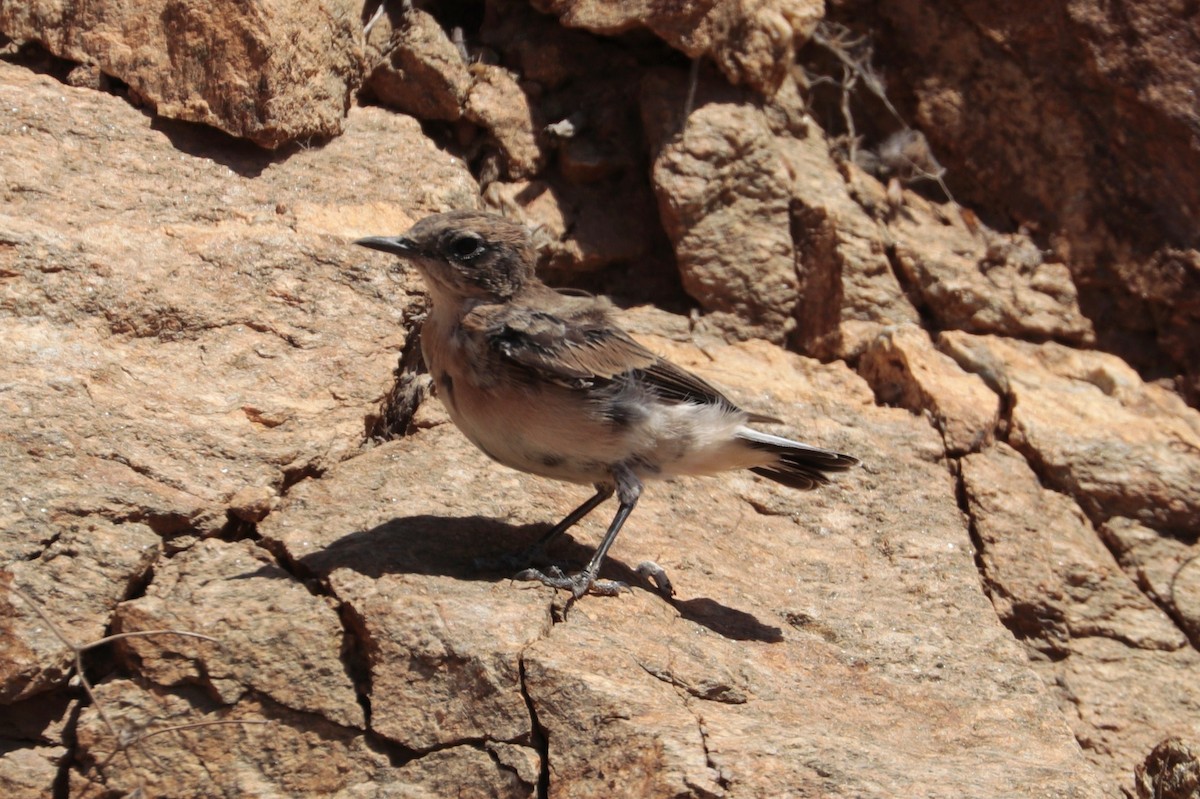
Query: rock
(1048,573)
(751,41)
(496,102)
(273,638)
(1166,568)
(273,73)
(1115,660)
(848,290)
(579,229)
(984,282)
(552,56)
(1093,429)
(30,772)
(763,639)
(1120,701)
(1170,284)
(76,581)
(444,659)
(1171,771)
(724,152)
(905,369)
(1103,164)
(200,326)
(259,747)
(235,750)
(419,70)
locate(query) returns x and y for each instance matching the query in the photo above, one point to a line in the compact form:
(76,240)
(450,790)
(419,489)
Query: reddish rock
(905,369)
(751,41)
(985,282)
(847,288)
(577,228)
(76,581)
(1165,567)
(1082,124)
(718,177)
(273,73)
(417,69)
(497,103)
(1050,576)
(30,772)
(235,594)
(197,330)
(1093,429)
(763,640)
(198,361)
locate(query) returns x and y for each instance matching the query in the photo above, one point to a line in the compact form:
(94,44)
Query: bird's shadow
(464,547)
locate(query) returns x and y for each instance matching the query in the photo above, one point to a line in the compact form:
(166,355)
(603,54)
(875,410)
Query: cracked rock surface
(273,555)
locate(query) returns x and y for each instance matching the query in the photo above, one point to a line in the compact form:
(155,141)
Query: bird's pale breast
(573,434)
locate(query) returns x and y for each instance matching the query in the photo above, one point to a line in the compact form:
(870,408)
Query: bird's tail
(797,465)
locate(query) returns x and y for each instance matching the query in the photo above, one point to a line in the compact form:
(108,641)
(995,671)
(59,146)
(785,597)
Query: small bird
(548,383)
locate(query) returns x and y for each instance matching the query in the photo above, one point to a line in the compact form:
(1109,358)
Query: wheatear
(547,383)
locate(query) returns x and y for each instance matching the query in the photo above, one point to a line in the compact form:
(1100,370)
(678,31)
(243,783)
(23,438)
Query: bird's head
(465,255)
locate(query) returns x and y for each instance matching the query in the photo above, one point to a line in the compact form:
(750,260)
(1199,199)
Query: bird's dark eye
(466,246)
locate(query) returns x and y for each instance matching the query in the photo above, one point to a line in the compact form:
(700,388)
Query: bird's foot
(578,584)
(651,571)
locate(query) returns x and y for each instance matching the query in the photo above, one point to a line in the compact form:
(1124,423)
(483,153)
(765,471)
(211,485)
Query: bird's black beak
(396,245)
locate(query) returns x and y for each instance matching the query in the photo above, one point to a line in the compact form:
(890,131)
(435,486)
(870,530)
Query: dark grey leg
(522,559)
(603,492)
(628,488)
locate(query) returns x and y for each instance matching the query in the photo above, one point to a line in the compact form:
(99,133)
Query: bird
(547,382)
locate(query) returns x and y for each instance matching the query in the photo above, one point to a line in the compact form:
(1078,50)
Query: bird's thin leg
(533,552)
(603,492)
(628,488)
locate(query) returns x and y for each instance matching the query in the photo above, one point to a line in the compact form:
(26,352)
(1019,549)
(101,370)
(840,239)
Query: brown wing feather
(585,351)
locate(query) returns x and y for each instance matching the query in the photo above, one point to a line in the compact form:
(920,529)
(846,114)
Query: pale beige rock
(719,180)
(496,102)
(985,282)
(1093,429)
(30,772)
(199,327)
(835,643)
(277,751)
(1115,660)
(292,754)
(1120,702)
(905,369)
(418,70)
(796,611)
(1049,576)
(273,637)
(752,41)
(445,658)
(270,72)
(1166,568)
(463,771)
(77,579)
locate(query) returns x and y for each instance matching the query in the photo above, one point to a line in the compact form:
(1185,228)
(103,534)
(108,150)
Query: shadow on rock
(736,625)
(461,547)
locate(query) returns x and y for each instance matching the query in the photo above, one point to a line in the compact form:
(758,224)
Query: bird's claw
(578,584)
(649,570)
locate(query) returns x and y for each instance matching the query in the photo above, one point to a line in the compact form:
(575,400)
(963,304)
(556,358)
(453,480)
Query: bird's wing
(583,351)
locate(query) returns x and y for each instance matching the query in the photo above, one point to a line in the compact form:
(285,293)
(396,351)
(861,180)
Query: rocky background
(955,238)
